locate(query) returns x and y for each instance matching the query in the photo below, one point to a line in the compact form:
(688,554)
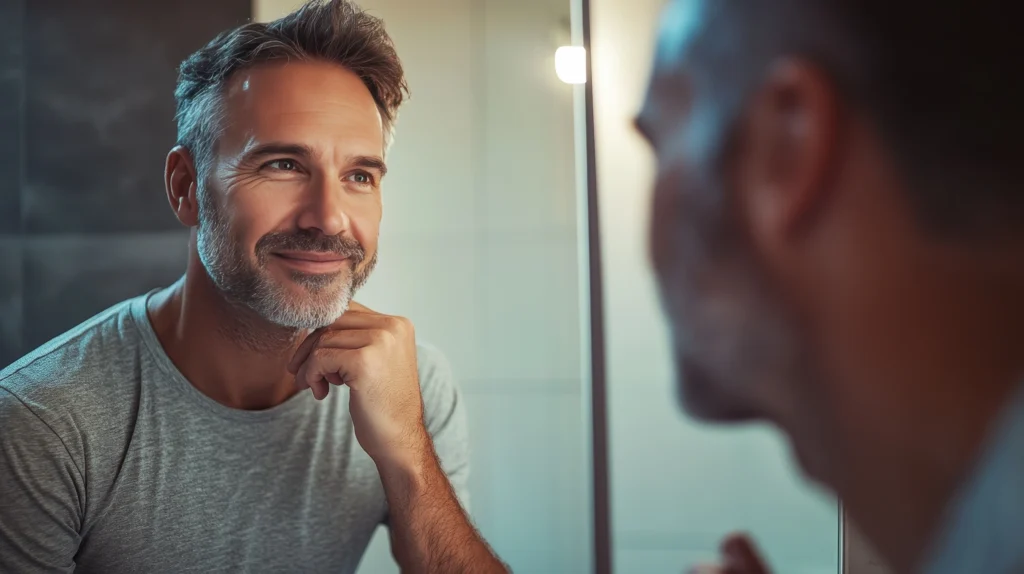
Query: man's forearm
(430,532)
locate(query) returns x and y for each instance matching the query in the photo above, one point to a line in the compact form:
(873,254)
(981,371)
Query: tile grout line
(22,173)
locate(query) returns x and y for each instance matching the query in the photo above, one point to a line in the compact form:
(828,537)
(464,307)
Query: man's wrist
(412,469)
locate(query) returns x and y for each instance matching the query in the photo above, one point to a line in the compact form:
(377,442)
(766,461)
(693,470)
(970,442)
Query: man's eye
(283,165)
(362,178)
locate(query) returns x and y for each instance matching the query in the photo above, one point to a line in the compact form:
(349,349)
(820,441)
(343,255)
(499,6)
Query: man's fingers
(324,363)
(303,351)
(320,389)
(325,356)
(348,338)
(357,317)
(353,319)
(741,556)
(353,306)
(321,359)
(706,569)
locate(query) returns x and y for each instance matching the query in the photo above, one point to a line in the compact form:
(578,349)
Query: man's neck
(226,351)
(901,479)
(910,435)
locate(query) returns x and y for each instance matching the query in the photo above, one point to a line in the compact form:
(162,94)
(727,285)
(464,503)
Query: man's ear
(181,183)
(789,151)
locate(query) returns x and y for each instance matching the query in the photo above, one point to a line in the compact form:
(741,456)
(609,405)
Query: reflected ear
(787,151)
(181,183)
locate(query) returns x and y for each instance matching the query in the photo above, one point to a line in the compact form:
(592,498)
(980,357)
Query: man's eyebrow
(278,148)
(305,151)
(371,162)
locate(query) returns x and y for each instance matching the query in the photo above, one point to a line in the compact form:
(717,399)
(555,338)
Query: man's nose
(325,208)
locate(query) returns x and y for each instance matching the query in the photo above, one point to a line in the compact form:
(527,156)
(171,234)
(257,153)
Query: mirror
(479,243)
(479,246)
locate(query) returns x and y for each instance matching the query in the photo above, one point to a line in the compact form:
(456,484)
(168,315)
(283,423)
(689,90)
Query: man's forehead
(301,101)
(679,28)
(301,83)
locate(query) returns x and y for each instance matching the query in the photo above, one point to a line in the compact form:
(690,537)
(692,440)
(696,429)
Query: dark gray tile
(12,16)
(100,108)
(71,278)
(10,299)
(10,155)
(11,88)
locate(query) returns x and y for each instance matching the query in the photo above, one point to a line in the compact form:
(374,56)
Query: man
(838,233)
(170,433)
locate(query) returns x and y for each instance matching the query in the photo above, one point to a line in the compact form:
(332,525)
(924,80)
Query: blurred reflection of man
(838,233)
(170,433)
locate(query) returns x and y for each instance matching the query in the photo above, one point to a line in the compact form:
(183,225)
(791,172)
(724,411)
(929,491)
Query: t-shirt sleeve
(445,414)
(41,493)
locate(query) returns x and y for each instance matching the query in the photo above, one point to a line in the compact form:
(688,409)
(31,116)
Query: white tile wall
(638,339)
(432,184)
(657,560)
(529,317)
(526,184)
(682,486)
(377,559)
(664,466)
(528,499)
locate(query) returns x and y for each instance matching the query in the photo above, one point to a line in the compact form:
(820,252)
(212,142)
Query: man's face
(736,345)
(290,209)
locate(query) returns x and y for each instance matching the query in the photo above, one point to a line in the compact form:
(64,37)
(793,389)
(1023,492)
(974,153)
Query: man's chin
(306,311)
(302,320)
(702,399)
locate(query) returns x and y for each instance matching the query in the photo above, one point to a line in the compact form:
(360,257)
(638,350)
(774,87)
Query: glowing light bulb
(571,64)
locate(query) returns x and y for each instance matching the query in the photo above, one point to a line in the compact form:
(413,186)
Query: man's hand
(375,356)
(739,556)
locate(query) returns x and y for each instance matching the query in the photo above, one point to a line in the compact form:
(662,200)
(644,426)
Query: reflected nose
(325,209)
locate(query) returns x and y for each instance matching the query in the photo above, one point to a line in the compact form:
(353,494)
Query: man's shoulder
(88,367)
(441,394)
(431,360)
(435,372)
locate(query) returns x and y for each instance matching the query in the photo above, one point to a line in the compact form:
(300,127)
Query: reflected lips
(312,262)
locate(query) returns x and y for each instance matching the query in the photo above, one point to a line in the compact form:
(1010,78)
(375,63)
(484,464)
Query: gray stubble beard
(252,287)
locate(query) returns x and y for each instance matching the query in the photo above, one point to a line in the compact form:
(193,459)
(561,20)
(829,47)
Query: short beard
(737,344)
(251,286)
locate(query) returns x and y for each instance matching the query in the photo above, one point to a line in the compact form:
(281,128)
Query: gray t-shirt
(111,461)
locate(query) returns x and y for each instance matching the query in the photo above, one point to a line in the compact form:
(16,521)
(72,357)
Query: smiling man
(174,432)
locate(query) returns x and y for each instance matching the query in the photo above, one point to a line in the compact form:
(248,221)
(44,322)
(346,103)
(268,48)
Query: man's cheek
(664,221)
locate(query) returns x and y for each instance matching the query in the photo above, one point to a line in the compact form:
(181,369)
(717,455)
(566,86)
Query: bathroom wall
(86,119)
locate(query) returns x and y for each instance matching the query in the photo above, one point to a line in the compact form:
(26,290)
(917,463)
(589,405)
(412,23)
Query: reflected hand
(739,556)
(375,356)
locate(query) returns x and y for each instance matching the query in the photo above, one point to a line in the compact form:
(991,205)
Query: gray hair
(937,80)
(335,31)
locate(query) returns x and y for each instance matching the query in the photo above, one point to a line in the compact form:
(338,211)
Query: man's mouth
(317,262)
